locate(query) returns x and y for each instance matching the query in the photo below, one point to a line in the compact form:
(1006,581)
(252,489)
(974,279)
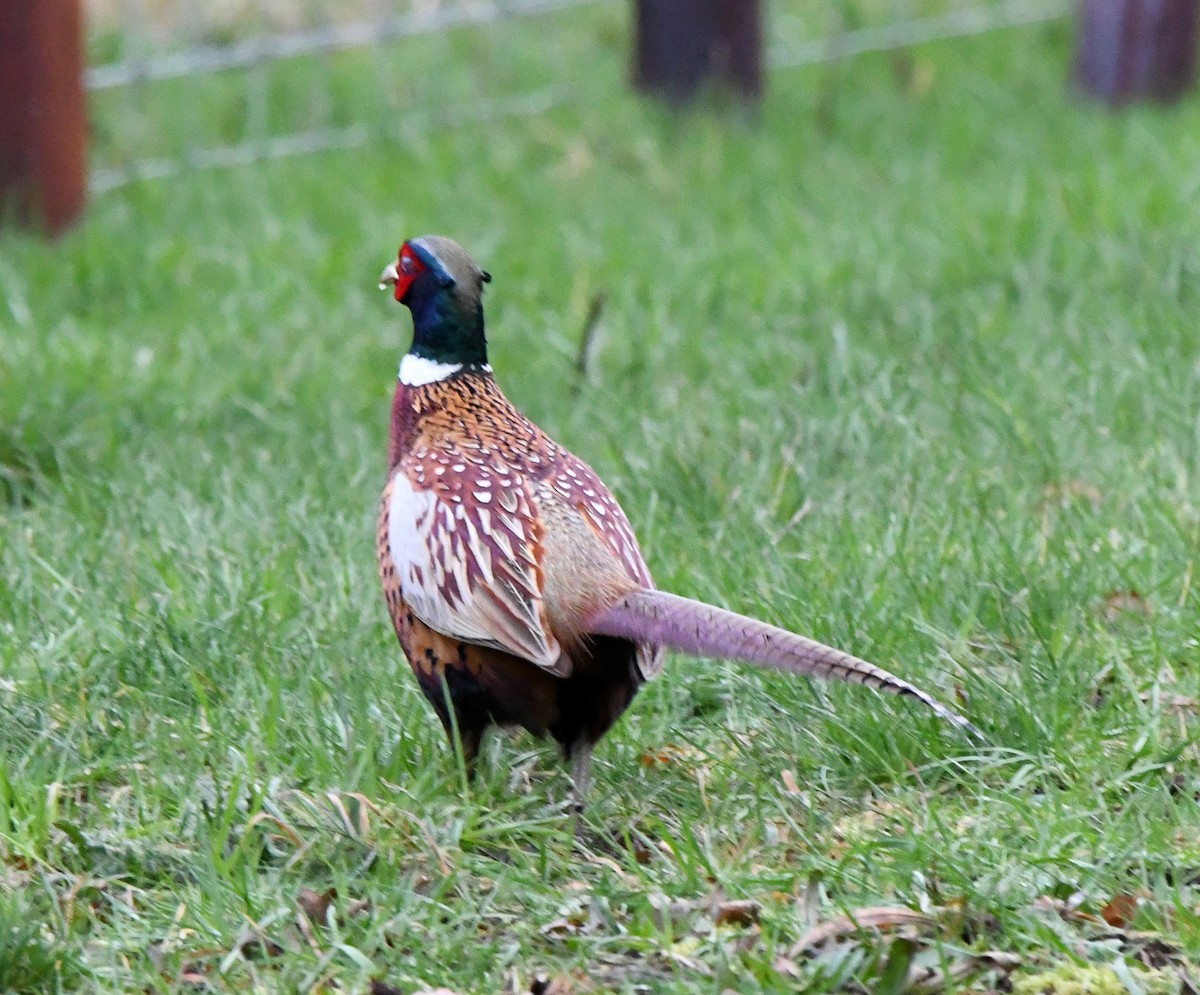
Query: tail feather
(662,619)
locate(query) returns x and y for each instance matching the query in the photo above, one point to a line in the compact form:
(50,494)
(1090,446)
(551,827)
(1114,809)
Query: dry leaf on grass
(1157,952)
(1125,602)
(641,853)
(1067,909)
(906,960)
(676,914)
(736,913)
(359,907)
(254,947)
(543,984)
(880,917)
(668,753)
(788,967)
(193,974)
(316,904)
(576,917)
(928,979)
(1120,910)
(671,914)
(1150,950)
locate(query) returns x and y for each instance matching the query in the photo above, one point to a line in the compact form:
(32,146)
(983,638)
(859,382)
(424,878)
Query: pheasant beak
(389,277)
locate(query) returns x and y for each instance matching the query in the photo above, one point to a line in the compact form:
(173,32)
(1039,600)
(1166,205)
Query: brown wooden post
(1136,49)
(43,117)
(682,44)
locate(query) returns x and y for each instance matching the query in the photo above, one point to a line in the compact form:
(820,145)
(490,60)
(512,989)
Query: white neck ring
(416,371)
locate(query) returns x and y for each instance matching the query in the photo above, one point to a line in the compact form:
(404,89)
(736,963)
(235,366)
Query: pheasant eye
(407,264)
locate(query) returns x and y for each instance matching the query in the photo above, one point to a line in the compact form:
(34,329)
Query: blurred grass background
(906,361)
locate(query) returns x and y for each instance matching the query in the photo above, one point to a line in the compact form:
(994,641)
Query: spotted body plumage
(513,578)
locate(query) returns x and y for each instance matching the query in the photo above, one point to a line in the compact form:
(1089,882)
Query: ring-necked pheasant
(513,578)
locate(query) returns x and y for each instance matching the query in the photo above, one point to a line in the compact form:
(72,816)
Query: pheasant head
(443,288)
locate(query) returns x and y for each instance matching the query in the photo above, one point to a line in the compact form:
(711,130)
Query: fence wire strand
(326,139)
(254,53)
(328,38)
(920,30)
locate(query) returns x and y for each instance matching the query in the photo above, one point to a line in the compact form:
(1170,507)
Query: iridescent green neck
(447,328)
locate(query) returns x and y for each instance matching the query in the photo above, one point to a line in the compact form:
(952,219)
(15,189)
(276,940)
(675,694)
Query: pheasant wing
(466,543)
(576,484)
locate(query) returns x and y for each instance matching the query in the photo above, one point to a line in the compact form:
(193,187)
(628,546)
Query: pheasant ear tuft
(485,276)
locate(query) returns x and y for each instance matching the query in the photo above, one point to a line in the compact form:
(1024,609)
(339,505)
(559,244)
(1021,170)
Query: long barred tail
(693,627)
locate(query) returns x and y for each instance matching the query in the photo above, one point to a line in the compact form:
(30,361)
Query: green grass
(908,363)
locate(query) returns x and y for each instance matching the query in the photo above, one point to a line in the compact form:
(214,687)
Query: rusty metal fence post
(43,117)
(682,44)
(1136,49)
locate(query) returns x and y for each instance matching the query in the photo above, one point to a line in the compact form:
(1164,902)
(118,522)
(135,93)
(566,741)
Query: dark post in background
(1136,49)
(43,120)
(681,45)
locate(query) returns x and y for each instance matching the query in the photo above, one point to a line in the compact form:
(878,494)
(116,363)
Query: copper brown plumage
(513,578)
(499,530)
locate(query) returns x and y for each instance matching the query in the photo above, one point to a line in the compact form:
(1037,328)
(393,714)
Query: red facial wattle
(403,272)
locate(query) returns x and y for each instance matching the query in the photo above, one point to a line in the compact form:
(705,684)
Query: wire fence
(177,85)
